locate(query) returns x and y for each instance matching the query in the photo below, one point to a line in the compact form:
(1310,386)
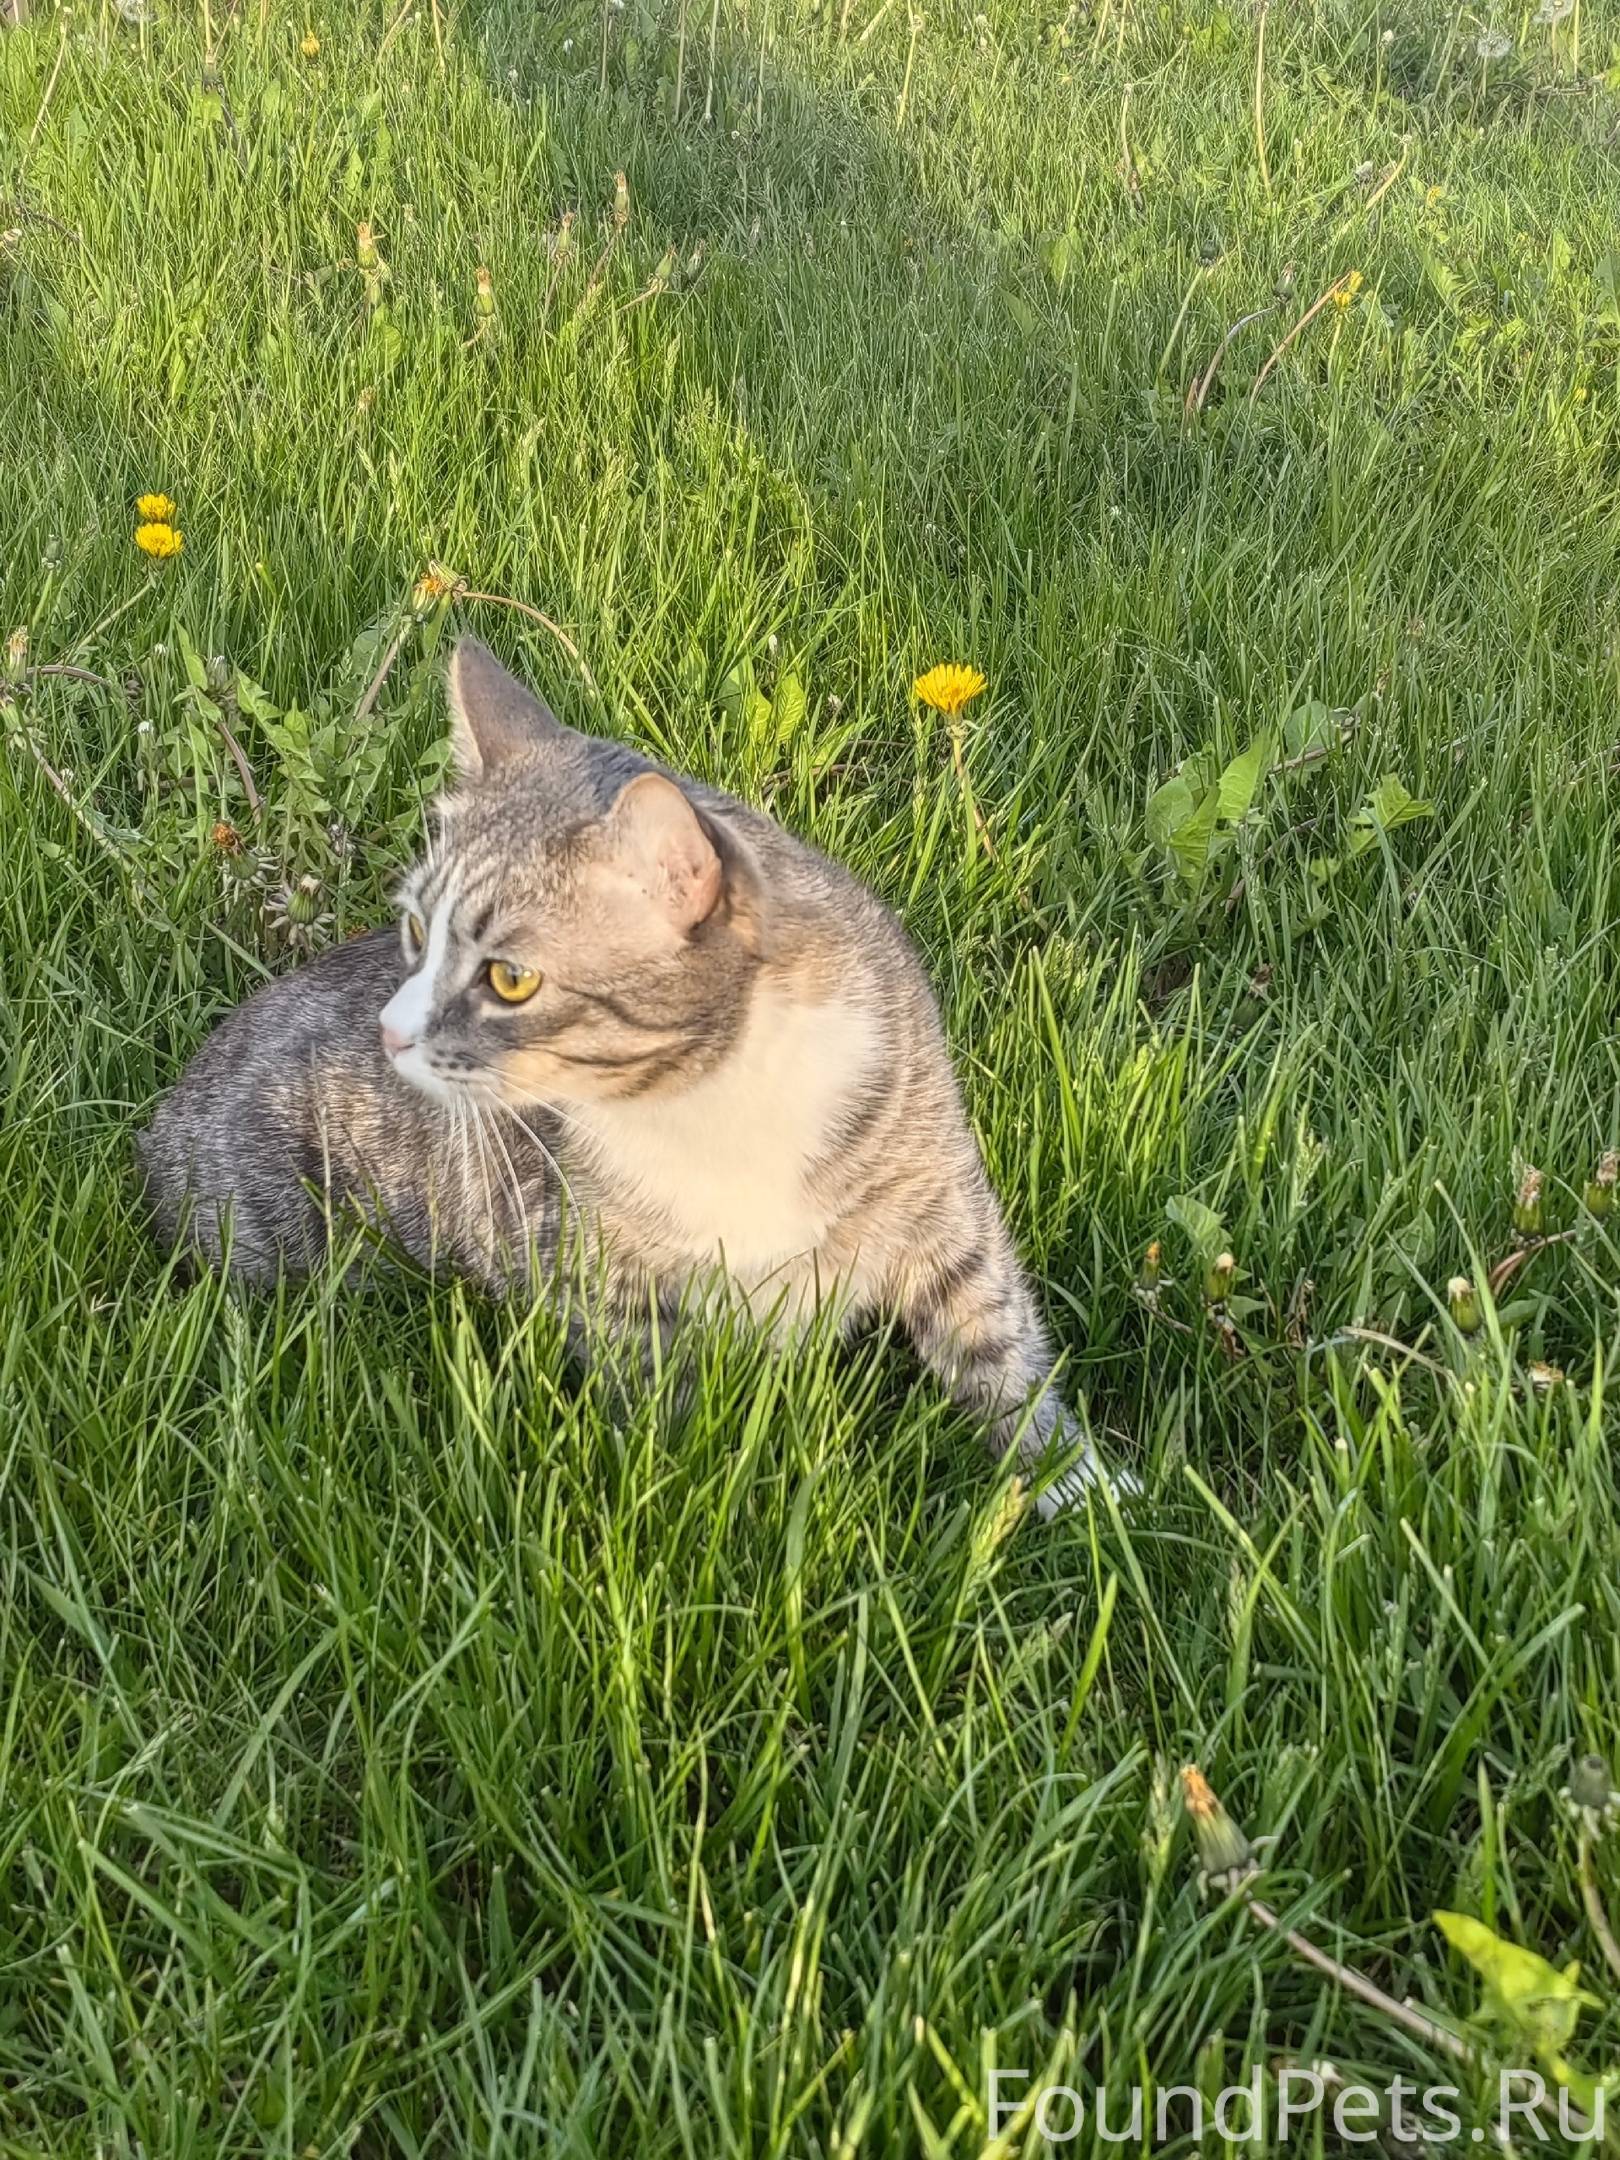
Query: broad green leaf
(254,699)
(760,719)
(1446,282)
(1169,808)
(1391,804)
(736,688)
(191,660)
(1190,842)
(790,705)
(1310,726)
(1519,1983)
(1237,785)
(1202,1225)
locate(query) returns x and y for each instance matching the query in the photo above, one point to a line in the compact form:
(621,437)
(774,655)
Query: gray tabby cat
(634,992)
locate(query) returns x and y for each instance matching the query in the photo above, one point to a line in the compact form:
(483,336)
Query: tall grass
(400,1751)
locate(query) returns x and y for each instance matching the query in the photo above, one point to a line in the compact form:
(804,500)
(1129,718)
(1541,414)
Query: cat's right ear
(493,717)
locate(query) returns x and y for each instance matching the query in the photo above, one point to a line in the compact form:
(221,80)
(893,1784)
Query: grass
(400,1752)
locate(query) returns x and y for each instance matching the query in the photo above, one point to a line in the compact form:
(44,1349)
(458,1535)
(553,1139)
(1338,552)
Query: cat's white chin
(412,1066)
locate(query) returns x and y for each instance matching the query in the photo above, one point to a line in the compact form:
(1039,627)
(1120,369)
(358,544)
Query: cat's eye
(415,935)
(514,985)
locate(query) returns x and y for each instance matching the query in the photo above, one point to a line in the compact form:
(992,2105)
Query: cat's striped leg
(972,1316)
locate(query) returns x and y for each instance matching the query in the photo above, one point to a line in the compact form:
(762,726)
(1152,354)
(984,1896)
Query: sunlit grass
(400,1751)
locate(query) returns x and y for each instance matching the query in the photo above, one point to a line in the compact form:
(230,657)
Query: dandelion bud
(1527,1205)
(1463,1300)
(1598,1196)
(216,675)
(563,245)
(1225,1855)
(1590,1785)
(16,655)
(621,201)
(1152,1269)
(365,247)
(430,588)
(1219,1277)
(51,554)
(484,301)
(304,901)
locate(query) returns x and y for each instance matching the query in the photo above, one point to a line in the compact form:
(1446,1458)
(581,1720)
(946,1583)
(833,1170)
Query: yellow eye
(415,935)
(515,985)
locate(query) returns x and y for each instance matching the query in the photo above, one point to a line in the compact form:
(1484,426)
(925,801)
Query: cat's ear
(493,717)
(658,842)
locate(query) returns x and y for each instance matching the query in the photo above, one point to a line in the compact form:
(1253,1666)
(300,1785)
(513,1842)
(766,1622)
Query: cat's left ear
(493,717)
(659,843)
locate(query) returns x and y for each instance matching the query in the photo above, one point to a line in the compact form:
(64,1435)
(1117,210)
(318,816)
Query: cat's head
(579,929)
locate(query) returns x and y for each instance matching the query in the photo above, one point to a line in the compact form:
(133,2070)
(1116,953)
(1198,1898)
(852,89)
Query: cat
(628,1000)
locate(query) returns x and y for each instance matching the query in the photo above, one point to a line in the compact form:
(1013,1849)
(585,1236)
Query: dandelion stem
(73,674)
(1259,96)
(83,816)
(905,87)
(714,35)
(954,728)
(41,217)
(1381,190)
(546,623)
(374,688)
(1200,390)
(244,771)
(1507,1267)
(1592,1898)
(395,26)
(1309,315)
(1205,270)
(39,117)
(680,65)
(1357,1984)
(1127,163)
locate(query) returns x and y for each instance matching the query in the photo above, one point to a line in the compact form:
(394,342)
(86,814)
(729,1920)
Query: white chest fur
(722,1164)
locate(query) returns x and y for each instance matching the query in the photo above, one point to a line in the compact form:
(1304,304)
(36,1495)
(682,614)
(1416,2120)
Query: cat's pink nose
(394,1042)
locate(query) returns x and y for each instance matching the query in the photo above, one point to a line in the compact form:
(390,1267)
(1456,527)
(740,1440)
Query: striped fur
(732,1076)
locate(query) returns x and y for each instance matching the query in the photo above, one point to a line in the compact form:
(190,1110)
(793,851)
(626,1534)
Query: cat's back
(291,1089)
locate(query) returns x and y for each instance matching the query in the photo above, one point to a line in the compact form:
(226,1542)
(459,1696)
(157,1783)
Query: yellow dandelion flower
(948,687)
(310,45)
(155,509)
(158,539)
(1348,290)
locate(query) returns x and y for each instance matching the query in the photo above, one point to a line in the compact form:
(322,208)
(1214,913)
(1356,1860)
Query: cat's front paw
(1073,1486)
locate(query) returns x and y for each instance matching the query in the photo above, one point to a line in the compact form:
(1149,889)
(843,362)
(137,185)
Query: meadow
(401,1749)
